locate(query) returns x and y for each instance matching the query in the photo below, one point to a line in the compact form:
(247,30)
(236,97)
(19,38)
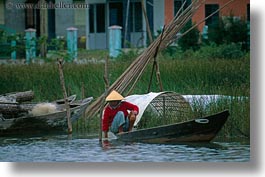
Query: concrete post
(13,53)
(72,42)
(30,44)
(114,41)
(205,32)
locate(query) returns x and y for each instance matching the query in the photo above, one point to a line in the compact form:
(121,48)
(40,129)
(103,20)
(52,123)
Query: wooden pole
(68,112)
(126,23)
(43,28)
(155,66)
(106,81)
(158,77)
(83,90)
(83,115)
(147,22)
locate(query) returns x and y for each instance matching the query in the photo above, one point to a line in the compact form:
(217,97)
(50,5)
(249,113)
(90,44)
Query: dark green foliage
(57,46)
(212,51)
(216,33)
(5,45)
(230,30)
(191,39)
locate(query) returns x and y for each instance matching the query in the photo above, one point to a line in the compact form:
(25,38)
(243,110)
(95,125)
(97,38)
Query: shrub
(224,51)
(190,40)
(229,30)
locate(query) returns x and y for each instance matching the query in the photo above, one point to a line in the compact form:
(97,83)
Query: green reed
(185,76)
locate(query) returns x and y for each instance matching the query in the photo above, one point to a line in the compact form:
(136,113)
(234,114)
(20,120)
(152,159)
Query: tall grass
(185,76)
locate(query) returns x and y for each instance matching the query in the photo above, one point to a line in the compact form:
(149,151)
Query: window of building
(136,18)
(150,13)
(30,21)
(91,19)
(32,17)
(177,5)
(97,18)
(209,9)
(116,13)
(248,12)
(100,18)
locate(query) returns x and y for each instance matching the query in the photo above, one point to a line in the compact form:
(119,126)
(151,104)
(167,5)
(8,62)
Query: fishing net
(160,108)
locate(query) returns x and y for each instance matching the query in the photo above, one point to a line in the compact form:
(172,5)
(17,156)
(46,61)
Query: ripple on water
(62,149)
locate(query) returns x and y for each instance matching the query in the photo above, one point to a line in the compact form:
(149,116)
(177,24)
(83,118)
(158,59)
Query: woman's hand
(134,112)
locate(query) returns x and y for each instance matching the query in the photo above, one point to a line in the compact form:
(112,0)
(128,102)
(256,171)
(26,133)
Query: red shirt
(109,113)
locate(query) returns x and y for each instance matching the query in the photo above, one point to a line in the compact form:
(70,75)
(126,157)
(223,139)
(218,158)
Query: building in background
(93,22)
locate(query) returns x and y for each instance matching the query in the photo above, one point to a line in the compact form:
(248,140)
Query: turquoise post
(30,44)
(13,46)
(72,42)
(114,41)
(205,32)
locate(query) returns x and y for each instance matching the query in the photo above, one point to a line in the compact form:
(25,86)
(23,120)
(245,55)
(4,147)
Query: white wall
(159,15)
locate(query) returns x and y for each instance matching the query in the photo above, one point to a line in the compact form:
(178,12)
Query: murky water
(87,149)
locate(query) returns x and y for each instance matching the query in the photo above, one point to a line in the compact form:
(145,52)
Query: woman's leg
(120,123)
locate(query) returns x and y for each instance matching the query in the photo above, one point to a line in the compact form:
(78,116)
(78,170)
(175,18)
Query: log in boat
(198,130)
(17,97)
(51,118)
(10,109)
(174,109)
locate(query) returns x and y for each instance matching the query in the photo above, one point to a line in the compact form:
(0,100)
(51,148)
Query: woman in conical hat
(114,96)
(116,117)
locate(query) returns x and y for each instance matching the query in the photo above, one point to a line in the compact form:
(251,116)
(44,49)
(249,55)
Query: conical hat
(114,96)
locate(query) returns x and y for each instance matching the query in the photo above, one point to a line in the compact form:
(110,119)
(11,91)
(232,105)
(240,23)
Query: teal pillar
(114,41)
(13,47)
(205,32)
(72,42)
(30,44)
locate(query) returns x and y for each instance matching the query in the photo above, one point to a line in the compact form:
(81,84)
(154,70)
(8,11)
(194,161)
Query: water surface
(89,149)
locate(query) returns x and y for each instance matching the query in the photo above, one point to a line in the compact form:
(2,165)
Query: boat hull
(197,130)
(54,123)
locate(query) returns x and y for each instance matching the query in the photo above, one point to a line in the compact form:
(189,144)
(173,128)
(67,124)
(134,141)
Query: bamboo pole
(147,22)
(68,112)
(83,90)
(126,23)
(43,28)
(139,64)
(106,81)
(83,115)
(155,64)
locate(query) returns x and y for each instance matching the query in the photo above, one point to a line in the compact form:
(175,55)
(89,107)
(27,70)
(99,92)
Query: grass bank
(184,76)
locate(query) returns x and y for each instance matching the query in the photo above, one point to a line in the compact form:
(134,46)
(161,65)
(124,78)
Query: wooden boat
(198,130)
(10,109)
(49,123)
(171,106)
